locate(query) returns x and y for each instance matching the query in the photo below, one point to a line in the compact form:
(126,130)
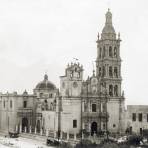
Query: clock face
(75,84)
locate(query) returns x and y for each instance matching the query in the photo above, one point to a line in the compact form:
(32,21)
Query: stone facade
(94,105)
(136,118)
(16,111)
(27,112)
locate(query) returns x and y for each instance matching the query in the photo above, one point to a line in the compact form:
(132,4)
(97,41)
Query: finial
(108,17)
(25,92)
(93,68)
(75,60)
(119,35)
(93,72)
(88,78)
(98,35)
(45,77)
(122,93)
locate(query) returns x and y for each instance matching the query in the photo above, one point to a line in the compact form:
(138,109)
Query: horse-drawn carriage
(13,134)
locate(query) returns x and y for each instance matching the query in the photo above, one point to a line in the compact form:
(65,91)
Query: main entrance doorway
(24,124)
(93,128)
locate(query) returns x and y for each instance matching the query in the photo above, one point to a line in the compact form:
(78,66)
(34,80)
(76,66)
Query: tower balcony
(95,115)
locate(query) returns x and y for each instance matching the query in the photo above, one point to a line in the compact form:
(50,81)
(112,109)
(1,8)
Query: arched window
(25,104)
(115,51)
(116,90)
(110,71)
(103,73)
(104,52)
(10,103)
(100,52)
(4,103)
(100,71)
(116,72)
(110,52)
(111,90)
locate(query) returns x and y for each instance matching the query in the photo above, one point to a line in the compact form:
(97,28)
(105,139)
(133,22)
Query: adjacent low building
(136,118)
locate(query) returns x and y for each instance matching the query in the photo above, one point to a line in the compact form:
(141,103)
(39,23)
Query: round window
(75,84)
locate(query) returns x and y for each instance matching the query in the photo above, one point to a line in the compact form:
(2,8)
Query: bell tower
(108,71)
(71,83)
(108,63)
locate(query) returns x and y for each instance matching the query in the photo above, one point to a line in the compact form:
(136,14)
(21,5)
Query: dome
(45,84)
(108,31)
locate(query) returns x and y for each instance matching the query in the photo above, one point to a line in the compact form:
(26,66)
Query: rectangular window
(134,116)
(25,104)
(94,109)
(4,103)
(50,96)
(41,95)
(110,71)
(74,123)
(140,117)
(10,103)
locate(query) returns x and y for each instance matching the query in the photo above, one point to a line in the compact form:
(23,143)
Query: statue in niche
(51,106)
(44,105)
(85,106)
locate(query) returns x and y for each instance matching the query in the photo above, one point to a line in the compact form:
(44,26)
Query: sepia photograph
(73,74)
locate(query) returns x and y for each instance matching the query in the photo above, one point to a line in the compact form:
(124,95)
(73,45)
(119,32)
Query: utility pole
(59,105)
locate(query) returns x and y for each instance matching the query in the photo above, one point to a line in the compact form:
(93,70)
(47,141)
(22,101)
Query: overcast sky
(44,35)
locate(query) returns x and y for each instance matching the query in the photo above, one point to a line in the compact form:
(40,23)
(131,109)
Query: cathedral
(90,106)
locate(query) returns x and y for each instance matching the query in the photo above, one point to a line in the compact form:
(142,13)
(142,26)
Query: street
(21,143)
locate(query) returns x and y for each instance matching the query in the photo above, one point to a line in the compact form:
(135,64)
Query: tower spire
(108,18)
(108,31)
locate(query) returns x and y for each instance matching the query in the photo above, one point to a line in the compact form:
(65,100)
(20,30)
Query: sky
(42,36)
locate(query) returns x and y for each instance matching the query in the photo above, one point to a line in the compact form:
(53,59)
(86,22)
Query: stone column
(61,134)
(107,70)
(25,129)
(47,132)
(82,106)
(89,104)
(75,136)
(30,129)
(82,135)
(35,130)
(89,129)
(89,124)
(20,128)
(41,132)
(67,136)
(55,134)
(16,128)
(83,125)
